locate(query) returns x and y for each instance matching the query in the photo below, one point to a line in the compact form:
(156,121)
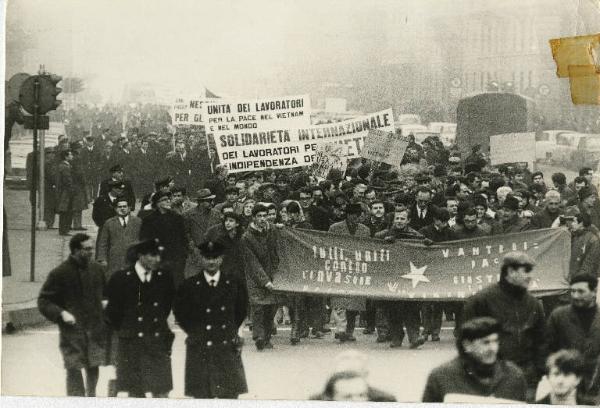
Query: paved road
(32,365)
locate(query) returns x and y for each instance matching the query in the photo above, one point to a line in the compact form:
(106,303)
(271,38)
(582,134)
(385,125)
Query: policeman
(139,302)
(210,307)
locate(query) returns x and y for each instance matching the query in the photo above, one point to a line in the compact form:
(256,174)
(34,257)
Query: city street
(32,365)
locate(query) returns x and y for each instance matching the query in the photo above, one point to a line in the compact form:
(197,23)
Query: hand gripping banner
(315,262)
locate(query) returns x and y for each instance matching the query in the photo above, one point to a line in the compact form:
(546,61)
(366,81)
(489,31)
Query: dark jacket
(393,234)
(261,260)
(127,192)
(169,228)
(211,317)
(138,312)
(102,210)
(543,219)
(456,377)
(432,233)
(566,331)
(78,289)
(523,327)
(65,187)
(233,262)
(460,232)
(516,225)
(585,253)
(417,223)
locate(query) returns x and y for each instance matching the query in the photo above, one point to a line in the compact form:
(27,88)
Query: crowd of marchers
(205,248)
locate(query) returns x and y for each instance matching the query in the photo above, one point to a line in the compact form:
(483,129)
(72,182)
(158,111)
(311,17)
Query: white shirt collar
(215,277)
(126,218)
(141,272)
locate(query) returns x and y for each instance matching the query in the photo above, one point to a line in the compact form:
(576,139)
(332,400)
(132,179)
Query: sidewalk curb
(23,318)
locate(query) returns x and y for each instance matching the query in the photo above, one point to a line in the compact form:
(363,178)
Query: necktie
(213,282)
(124,222)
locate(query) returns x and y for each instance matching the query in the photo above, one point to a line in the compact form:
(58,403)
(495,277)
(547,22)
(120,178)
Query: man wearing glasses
(519,313)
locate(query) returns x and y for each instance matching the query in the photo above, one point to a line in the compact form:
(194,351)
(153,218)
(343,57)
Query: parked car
(545,143)
(408,119)
(19,148)
(408,129)
(587,153)
(575,150)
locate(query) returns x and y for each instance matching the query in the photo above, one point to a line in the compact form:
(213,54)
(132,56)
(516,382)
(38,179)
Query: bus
(480,116)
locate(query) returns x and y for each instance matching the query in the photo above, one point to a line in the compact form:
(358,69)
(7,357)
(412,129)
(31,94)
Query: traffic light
(40,91)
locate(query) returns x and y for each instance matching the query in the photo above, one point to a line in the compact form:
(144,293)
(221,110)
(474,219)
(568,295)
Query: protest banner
(225,117)
(188,111)
(318,262)
(384,147)
(513,148)
(329,156)
(294,147)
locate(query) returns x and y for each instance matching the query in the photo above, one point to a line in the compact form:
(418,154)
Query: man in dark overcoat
(139,303)
(169,228)
(72,297)
(65,190)
(210,307)
(117,174)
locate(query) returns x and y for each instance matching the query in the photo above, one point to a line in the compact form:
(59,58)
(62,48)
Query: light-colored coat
(114,241)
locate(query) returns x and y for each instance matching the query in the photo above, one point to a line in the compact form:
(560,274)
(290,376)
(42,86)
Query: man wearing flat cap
(509,221)
(117,174)
(139,303)
(210,307)
(520,315)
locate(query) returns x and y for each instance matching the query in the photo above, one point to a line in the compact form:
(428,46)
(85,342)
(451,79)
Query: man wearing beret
(509,219)
(520,315)
(139,303)
(210,307)
(116,174)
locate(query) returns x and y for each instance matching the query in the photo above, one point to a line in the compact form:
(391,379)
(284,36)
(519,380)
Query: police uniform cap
(210,249)
(149,246)
(116,184)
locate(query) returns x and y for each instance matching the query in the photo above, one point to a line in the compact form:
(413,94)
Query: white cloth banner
(294,147)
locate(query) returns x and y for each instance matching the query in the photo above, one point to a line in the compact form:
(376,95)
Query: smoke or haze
(246,48)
